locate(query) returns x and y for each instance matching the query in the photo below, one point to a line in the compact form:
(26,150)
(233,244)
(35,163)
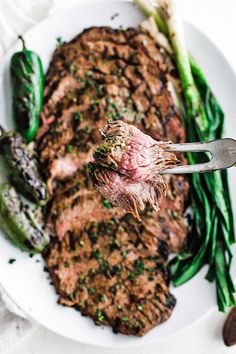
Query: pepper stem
(23,41)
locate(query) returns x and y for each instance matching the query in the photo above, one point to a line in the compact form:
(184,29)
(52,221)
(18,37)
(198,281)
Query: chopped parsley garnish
(101,150)
(127,217)
(125,319)
(101,297)
(139,307)
(104,266)
(113,116)
(96,103)
(116,270)
(114,112)
(92,271)
(115,245)
(82,136)
(107,204)
(93,236)
(139,265)
(91,291)
(100,89)
(170,300)
(114,16)
(59,42)
(114,288)
(78,117)
(88,130)
(66,264)
(152,269)
(112,104)
(93,223)
(113,221)
(73,69)
(125,253)
(69,148)
(137,324)
(175,215)
(90,83)
(82,278)
(139,268)
(158,112)
(53,129)
(11,260)
(80,79)
(97,254)
(99,317)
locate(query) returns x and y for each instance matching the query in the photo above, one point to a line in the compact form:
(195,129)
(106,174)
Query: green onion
(212,231)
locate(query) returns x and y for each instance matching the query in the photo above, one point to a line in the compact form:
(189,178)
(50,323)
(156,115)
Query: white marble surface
(217,19)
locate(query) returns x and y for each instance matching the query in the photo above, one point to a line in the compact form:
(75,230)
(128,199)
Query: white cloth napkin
(14,326)
(16,17)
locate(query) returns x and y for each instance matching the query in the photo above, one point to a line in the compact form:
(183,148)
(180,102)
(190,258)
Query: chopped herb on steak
(104,263)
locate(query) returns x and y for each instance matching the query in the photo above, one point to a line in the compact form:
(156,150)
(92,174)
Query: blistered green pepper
(27,81)
(17,223)
(21,167)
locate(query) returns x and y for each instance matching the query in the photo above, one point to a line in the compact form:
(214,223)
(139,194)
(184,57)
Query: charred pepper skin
(27,81)
(21,167)
(17,224)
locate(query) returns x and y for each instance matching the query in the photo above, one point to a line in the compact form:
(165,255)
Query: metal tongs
(223,155)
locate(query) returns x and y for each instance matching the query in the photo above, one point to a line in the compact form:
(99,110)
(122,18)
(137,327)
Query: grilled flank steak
(104,263)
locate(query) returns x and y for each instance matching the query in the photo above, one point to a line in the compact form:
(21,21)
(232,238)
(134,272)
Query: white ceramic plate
(25,281)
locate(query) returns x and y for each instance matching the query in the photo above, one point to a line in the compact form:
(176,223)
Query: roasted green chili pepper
(17,223)
(21,167)
(27,81)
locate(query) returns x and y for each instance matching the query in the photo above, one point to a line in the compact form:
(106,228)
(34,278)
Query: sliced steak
(127,167)
(112,275)
(108,74)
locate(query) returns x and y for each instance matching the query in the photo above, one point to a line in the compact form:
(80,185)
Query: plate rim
(28,314)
